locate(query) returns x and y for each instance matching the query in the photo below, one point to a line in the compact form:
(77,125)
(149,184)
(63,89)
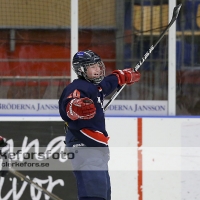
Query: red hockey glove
(127,76)
(82,108)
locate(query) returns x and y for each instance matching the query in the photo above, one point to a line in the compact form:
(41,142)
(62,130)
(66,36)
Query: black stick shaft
(24,178)
(146,55)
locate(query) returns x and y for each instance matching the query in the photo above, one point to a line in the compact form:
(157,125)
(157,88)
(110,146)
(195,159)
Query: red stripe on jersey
(76,95)
(95,135)
(99,88)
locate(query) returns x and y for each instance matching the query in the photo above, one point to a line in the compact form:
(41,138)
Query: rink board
(145,159)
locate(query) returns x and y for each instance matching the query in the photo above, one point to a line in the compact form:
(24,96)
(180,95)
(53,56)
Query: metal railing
(32,87)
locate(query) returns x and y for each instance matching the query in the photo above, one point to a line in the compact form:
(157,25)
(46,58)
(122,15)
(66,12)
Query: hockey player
(81,107)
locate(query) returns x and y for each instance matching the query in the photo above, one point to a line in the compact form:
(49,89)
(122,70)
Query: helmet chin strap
(82,69)
(93,80)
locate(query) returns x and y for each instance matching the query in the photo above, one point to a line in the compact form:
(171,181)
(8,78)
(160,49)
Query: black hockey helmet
(82,60)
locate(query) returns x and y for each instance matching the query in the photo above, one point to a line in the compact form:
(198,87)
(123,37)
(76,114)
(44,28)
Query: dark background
(44,132)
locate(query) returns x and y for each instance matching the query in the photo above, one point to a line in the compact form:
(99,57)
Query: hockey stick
(146,55)
(24,178)
(30,182)
(4,170)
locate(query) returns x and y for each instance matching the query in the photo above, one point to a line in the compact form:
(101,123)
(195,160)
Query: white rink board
(23,108)
(158,184)
(167,133)
(123,133)
(190,132)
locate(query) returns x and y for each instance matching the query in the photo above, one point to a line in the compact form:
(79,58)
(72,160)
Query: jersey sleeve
(74,90)
(109,84)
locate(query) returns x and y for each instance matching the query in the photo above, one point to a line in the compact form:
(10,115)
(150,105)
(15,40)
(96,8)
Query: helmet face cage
(84,59)
(101,75)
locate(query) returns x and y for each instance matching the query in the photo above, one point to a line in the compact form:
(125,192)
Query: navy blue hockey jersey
(91,132)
